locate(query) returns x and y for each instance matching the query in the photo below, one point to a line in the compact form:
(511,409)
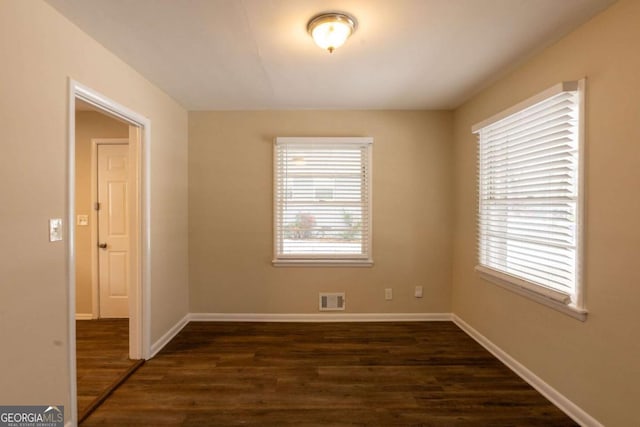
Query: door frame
(95,265)
(140,295)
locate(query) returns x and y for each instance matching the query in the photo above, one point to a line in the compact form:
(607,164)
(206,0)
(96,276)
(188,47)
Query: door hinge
(97,206)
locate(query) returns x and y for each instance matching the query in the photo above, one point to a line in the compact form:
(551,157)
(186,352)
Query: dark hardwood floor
(102,356)
(307,374)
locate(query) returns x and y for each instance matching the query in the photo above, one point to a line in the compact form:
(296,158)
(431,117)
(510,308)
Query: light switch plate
(83,220)
(55,229)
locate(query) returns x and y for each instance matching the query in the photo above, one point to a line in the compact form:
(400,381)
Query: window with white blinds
(529,211)
(322,189)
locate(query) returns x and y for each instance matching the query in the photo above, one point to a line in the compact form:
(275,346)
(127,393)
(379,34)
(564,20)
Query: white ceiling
(256,54)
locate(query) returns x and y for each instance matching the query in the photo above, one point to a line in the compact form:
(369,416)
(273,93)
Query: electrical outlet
(388,294)
(418,292)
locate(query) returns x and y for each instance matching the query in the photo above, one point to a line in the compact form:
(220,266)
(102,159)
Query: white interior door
(113,230)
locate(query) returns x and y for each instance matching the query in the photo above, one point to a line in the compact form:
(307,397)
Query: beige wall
(89,125)
(231,213)
(596,364)
(40,49)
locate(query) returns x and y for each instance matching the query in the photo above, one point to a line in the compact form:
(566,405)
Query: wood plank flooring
(102,356)
(309,374)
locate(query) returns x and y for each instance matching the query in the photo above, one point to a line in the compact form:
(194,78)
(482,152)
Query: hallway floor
(102,350)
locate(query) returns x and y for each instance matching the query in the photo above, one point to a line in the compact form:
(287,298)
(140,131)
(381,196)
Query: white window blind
(528,188)
(322,199)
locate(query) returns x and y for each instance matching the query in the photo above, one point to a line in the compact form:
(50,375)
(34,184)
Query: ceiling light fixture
(331,30)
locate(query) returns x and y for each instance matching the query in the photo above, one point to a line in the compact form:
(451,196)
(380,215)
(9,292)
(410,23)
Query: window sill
(322,263)
(504,281)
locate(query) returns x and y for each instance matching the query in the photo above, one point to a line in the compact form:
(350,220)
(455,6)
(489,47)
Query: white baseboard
(319,317)
(168,336)
(563,403)
(267,317)
(84,316)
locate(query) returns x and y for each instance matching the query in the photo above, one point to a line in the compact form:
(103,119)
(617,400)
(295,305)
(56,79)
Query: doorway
(115,217)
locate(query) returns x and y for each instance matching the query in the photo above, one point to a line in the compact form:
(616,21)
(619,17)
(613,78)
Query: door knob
(102,245)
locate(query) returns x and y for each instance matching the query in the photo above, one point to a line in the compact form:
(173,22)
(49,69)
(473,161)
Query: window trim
(324,260)
(552,298)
